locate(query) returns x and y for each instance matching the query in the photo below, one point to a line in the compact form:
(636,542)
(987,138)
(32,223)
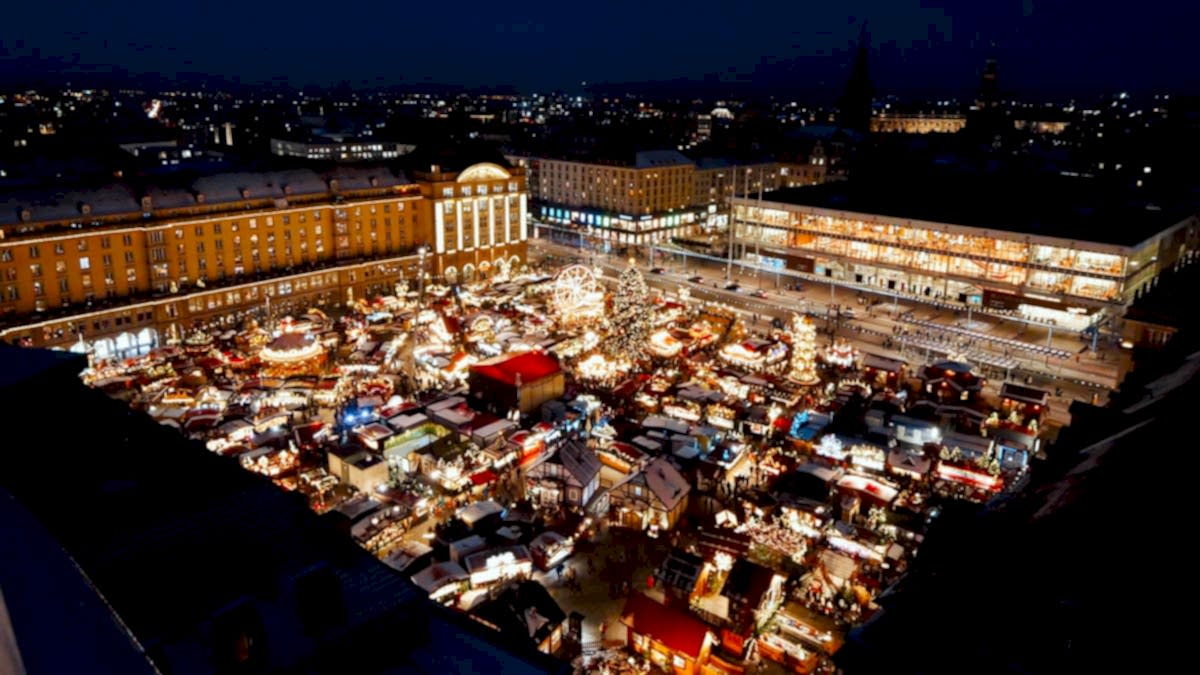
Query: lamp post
(422,251)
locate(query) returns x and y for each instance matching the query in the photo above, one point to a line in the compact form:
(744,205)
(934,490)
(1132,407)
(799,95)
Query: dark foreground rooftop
(1047,205)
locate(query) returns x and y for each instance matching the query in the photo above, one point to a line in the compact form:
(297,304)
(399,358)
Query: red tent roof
(484,477)
(531,366)
(680,631)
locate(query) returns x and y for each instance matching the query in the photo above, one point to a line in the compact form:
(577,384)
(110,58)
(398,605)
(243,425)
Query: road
(870,327)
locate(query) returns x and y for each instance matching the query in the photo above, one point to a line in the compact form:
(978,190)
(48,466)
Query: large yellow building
(125,266)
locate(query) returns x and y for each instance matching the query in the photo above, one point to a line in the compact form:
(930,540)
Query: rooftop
(1048,205)
(528,366)
(679,631)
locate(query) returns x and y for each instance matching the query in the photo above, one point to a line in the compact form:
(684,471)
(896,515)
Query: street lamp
(422,251)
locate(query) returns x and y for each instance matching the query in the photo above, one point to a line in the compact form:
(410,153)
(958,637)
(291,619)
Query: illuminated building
(340,149)
(652,196)
(123,268)
(1048,254)
(919,123)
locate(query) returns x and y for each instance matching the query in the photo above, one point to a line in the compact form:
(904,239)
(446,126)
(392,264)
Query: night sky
(931,46)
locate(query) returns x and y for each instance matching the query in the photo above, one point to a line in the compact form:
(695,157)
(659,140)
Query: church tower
(854,109)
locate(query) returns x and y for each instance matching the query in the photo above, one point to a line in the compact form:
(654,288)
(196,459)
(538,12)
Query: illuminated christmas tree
(804,351)
(631,315)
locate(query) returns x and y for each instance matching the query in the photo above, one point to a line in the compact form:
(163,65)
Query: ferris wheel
(574,287)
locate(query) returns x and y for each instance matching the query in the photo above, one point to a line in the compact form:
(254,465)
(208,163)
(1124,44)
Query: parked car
(849,313)
(696,279)
(658,270)
(760,293)
(733,286)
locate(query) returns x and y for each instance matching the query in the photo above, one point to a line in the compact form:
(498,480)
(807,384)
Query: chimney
(245,193)
(334,185)
(200,198)
(147,204)
(26,215)
(373,181)
(85,208)
(287,189)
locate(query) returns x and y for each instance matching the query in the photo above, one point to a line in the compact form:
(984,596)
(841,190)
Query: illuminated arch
(147,337)
(483,171)
(124,342)
(104,348)
(468,273)
(451,275)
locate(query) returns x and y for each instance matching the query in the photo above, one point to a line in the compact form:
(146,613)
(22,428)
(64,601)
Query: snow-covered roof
(439,574)
(665,481)
(477,511)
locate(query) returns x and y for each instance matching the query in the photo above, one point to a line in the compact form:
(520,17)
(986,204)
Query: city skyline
(804,51)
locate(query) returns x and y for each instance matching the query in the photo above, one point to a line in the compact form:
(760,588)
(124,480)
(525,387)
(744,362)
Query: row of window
(81,245)
(467,190)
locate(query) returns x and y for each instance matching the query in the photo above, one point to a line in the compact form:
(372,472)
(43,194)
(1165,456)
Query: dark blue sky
(938,45)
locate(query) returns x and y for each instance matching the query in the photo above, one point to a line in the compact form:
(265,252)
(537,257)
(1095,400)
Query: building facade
(340,150)
(655,196)
(129,268)
(919,123)
(1053,277)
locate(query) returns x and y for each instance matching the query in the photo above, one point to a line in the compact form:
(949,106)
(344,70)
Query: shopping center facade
(1038,274)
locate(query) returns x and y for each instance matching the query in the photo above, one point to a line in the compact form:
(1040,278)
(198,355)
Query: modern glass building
(1040,250)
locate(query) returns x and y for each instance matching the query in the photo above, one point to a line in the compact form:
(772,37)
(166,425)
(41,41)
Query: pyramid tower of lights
(804,352)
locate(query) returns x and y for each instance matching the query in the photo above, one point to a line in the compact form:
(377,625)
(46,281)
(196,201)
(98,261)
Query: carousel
(292,354)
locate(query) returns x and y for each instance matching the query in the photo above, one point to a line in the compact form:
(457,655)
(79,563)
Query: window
(127,239)
(512,186)
(58,248)
(448,192)
(6,255)
(84,263)
(199,230)
(81,245)
(60,266)
(216,228)
(63,286)
(36,270)
(38,291)
(129,257)
(178,233)
(34,252)
(287,220)
(131,275)
(679,662)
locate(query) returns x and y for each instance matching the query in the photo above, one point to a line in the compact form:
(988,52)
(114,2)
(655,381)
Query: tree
(804,351)
(631,315)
